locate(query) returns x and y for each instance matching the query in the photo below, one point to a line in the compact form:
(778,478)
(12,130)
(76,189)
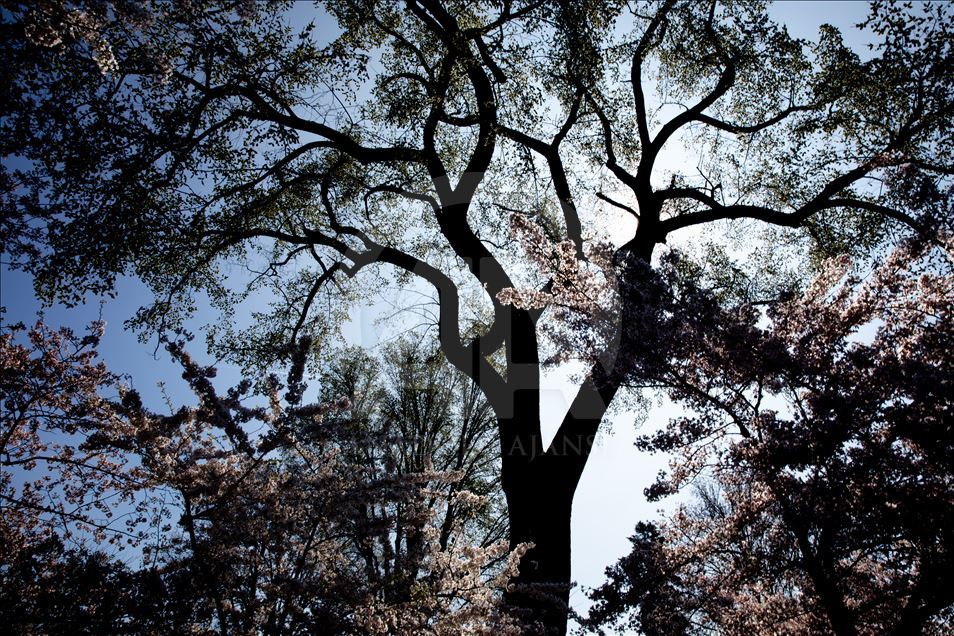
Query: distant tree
(169,141)
(247,519)
(417,415)
(820,445)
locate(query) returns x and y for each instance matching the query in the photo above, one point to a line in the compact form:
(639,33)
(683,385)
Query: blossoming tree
(820,448)
(275,519)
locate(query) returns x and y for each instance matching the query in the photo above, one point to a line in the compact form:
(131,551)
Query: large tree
(168,140)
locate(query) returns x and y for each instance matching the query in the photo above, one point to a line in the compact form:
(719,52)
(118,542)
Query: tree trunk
(540,511)
(539,483)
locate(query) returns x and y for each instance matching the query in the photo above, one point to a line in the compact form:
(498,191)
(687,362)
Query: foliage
(820,443)
(167,139)
(248,519)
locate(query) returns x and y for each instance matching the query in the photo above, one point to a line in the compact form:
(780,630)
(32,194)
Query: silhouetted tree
(168,139)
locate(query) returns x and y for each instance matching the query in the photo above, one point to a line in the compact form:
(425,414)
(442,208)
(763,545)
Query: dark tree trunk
(540,483)
(540,487)
(540,511)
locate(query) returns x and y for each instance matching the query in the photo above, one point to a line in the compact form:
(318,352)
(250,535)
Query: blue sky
(609,499)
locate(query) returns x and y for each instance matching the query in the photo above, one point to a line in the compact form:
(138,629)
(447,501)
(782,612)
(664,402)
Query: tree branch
(751,128)
(726,79)
(617,204)
(636,71)
(551,153)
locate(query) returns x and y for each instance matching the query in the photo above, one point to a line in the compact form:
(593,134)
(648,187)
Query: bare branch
(617,204)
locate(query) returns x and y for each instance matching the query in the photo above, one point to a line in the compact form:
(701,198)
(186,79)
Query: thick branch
(266,112)
(551,153)
(636,71)
(717,211)
(466,358)
(726,79)
(621,173)
(617,204)
(571,446)
(751,128)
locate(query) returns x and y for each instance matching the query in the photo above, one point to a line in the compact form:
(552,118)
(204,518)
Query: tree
(266,531)
(416,415)
(826,442)
(219,131)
